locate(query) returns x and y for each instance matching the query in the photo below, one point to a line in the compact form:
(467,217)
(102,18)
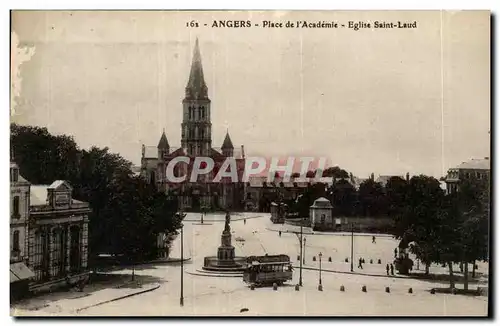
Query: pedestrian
(392,269)
(360,264)
(279,233)
(373,239)
(245,221)
(387,268)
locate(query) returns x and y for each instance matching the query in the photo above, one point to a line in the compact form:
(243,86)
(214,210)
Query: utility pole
(182,264)
(300,272)
(352,247)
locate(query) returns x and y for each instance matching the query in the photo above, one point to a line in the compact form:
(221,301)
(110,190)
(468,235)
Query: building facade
(20,274)
(474,169)
(57,235)
(196,141)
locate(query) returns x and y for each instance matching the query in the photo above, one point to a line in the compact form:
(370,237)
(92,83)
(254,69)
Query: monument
(226,261)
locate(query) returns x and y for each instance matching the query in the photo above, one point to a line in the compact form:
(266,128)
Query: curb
(237,218)
(342,234)
(214,275)
(162,261)
(350,273)
(294,232)
(156,286)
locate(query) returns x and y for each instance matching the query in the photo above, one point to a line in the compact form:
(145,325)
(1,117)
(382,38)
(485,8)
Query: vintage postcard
(250,163)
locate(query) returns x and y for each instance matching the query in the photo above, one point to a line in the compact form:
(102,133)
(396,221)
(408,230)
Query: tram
(268,269)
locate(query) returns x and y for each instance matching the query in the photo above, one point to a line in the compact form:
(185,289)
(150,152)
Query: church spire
(227,144)
(196,87)
(163,143)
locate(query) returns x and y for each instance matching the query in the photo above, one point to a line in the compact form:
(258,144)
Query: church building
(196,140)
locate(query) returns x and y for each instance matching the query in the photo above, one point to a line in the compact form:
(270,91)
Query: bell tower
(196,135)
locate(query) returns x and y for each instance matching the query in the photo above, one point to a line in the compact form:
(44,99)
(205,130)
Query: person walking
(395,252)
(392,269)
(244,221)
(279,233)
(360,264)
(387,268)
(373,239)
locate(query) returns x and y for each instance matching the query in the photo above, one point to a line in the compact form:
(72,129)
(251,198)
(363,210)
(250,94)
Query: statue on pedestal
(227,227)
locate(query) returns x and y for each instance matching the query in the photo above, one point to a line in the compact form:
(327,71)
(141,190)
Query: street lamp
(320,255)
(181,215)
(352,247)
(300,273)
(182,265)
(304,258)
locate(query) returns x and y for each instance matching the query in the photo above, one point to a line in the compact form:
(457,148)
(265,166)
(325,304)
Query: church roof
(196,87)
(227,142)
(163,141)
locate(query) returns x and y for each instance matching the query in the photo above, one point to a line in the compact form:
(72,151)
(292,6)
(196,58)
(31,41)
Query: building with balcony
(474,169)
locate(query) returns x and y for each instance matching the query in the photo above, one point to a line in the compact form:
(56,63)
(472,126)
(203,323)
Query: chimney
(351,177)
(372,176)
(407,176)
(242,151)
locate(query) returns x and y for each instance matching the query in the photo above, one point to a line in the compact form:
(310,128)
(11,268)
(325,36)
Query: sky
(382,101)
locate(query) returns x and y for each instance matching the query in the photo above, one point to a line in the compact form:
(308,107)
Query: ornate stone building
(196,140)
(20,274)
(58,235)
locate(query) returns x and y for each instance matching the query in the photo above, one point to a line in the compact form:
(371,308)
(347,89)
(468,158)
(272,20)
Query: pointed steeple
(163,141)
(227,142)
(196,87)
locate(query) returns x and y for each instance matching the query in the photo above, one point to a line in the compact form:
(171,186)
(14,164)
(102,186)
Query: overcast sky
(387,101)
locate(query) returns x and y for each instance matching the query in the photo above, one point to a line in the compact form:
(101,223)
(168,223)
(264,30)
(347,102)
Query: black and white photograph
(277,163)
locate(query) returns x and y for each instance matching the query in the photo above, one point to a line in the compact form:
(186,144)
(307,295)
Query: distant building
(20,274)
(474,169)
(58,235)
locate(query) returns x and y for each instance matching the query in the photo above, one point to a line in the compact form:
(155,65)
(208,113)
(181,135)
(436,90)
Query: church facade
(196,141)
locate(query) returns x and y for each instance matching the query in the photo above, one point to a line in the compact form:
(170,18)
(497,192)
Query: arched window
(15,207)
(15,241)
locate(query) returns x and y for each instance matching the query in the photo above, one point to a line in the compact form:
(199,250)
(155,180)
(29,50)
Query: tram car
(268,269)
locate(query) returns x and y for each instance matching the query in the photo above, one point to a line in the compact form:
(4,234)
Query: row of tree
(435,226)
(443,228)
(127,212)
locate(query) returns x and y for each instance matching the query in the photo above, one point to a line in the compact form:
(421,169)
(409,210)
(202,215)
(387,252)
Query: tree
(336,173)
(343,197)
(127,212)
(371,198)
(396,191)
(468,211)
(419,219)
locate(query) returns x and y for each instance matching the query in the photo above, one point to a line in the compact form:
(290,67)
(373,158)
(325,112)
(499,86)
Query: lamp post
(300,272)
(304,258)
(182,263)
(352,247)
(320,255)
